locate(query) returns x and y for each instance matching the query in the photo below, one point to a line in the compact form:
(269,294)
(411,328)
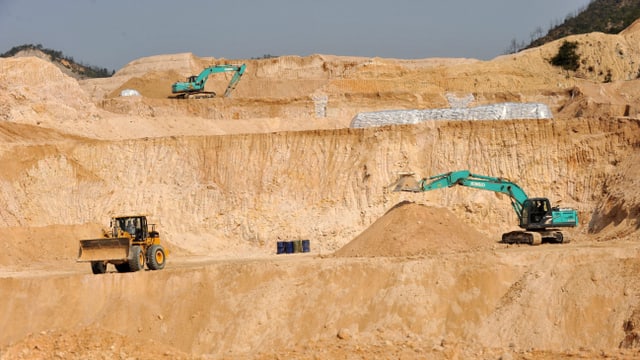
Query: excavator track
(522,237)
(197,95)
(201,95)
(534,238)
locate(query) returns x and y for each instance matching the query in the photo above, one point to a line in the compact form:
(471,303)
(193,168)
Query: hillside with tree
(606,16)
(66,63)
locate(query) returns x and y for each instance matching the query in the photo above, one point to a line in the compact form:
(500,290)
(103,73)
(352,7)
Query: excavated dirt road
(389,275)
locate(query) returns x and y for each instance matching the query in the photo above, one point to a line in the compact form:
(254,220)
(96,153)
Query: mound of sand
(26,247)
(89,343)
(152,84)
(410,229)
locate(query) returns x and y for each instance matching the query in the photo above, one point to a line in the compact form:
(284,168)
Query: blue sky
(111,33)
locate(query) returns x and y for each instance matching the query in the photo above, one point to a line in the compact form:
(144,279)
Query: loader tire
(124,267)
(156,258)
(98,267)
(136,259)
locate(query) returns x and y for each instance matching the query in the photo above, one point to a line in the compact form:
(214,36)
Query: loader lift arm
(535,215)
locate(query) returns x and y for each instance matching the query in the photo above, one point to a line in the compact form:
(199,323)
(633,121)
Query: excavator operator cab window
(539,208)
(543,206)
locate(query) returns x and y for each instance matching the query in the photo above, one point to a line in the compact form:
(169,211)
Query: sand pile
(410,229)
(25,247)
(90,343)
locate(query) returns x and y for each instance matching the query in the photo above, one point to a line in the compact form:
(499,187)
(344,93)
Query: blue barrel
(297,246)
(280,247)
(288,247)
(306,246)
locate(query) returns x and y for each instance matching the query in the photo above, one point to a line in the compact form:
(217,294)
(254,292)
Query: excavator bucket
(406,182)
(104,249)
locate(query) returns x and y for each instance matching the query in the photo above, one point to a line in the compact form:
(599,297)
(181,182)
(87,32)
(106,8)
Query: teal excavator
(194,86)
(536,215)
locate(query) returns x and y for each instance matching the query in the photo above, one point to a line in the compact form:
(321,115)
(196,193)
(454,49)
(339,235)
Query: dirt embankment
(520,300)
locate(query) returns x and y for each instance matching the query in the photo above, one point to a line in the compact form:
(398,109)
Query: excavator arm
(234,80)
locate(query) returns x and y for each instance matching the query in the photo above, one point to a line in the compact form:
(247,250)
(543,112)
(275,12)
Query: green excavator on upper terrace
(194,86)
(536,215)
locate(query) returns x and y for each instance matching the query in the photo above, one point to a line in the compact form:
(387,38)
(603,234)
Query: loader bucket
(406,182)
(104,249)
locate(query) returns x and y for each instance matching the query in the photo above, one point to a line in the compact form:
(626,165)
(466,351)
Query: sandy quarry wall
(620,204)
(322,184)
(257,188)
(352,85)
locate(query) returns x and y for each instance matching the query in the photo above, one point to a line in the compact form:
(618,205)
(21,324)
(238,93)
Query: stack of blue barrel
(291,247)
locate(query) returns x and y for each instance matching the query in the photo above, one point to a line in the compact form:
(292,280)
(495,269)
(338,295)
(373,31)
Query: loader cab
(136,226)
(536,213)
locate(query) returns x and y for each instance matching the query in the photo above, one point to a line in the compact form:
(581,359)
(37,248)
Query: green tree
(567,56)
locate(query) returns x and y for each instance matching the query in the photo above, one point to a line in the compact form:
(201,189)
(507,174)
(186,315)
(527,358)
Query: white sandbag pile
(502,111)
(129,92)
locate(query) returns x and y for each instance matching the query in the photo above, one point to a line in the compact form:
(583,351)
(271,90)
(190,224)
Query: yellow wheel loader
(129,245)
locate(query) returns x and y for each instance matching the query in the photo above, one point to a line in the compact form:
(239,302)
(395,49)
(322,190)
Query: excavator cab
(536,213)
